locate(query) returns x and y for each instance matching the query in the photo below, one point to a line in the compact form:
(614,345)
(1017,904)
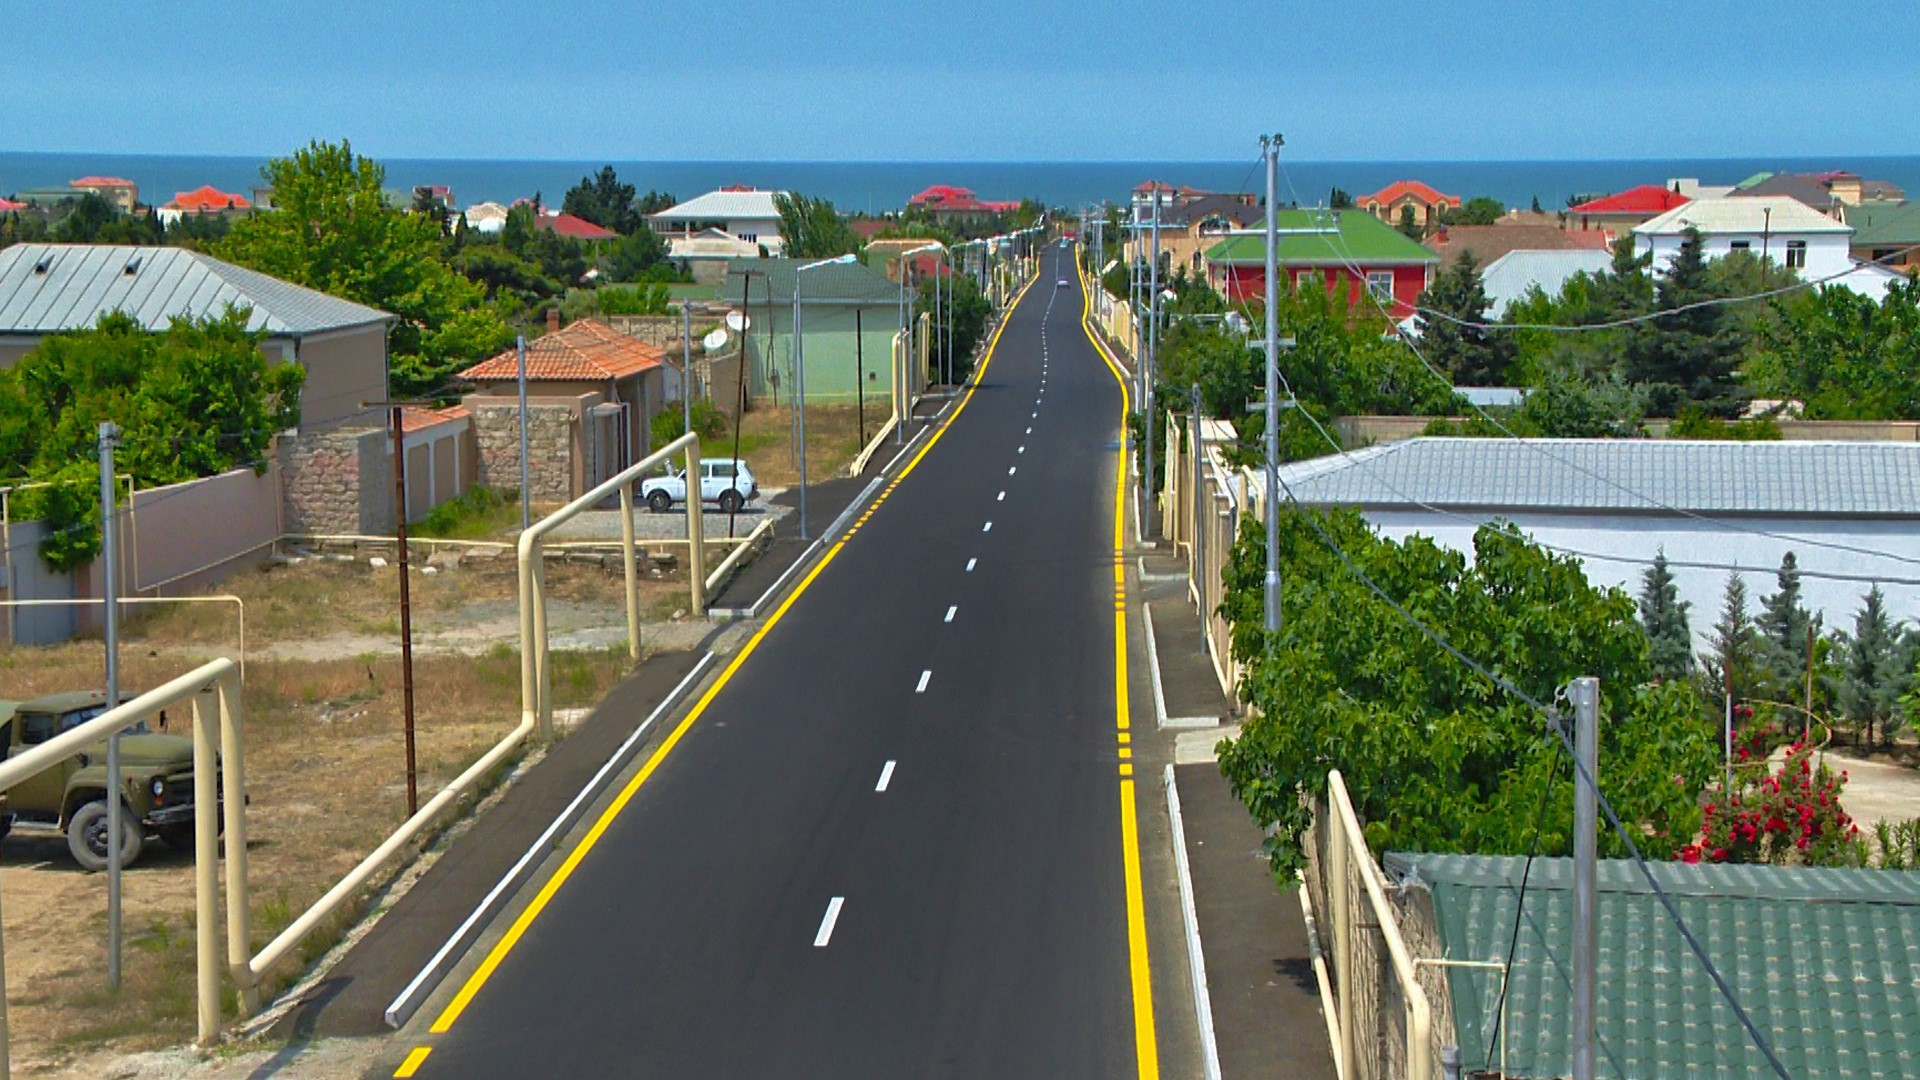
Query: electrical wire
(1520,905)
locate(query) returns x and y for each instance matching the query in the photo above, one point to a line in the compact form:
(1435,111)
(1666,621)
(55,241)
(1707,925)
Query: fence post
(233,809)
(206,859)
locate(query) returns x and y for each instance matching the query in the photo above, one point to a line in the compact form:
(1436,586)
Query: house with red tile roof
(8,206)
(592,392)
(576,228)
(1620,212)
(123,194)
(205,199)
(1389,202)
(945,202)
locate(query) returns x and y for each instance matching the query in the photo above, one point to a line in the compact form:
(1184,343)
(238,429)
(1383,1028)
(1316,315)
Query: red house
(1620,212)
(1327,248)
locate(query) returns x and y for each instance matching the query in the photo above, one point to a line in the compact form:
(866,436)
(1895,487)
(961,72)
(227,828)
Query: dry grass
(766,441)
(326,774)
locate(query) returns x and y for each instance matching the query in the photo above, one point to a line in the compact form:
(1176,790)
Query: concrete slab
(1186,689)
(1267,1017)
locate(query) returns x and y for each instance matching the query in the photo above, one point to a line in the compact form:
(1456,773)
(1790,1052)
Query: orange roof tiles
(1400,188)
(100,181)
(587,351)
(414,418)
(206,198)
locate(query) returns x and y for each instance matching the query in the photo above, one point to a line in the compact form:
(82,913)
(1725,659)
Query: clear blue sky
(990,79)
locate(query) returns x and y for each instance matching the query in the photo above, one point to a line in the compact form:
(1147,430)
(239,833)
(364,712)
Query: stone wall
(337,482)
(551,436)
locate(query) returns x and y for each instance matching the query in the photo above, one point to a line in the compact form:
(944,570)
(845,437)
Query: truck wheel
(730,501)
(87,836)
(659,502)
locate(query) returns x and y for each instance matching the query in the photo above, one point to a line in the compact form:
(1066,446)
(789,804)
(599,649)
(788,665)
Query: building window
(1305,278)
(750,237)
(1740,245)
(1380,284)
(1796,254)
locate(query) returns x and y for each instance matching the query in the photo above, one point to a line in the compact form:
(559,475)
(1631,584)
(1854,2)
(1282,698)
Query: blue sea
(877,186)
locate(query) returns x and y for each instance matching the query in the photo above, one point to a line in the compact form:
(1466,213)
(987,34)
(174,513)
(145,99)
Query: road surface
(898,837)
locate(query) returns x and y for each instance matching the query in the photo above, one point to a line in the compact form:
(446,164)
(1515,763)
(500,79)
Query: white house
(747,214)
(1850,512)
(486,217)
(1776,227)
(1508,278)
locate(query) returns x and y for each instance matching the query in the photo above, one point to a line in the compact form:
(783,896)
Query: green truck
(156,772)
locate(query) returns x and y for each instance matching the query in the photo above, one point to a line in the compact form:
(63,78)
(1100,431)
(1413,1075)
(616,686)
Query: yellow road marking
(1145,1047)
(505,945)
(412,1064)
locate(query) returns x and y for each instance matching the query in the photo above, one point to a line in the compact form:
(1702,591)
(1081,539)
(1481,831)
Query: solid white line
(951,611)
(970,563)
(924,676)
(1002,498)
(1036,416)
(403,1006)
(988,527)
(886,775)
(826,924)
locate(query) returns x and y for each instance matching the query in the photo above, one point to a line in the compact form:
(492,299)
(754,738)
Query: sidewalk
(826,500)
(353,998)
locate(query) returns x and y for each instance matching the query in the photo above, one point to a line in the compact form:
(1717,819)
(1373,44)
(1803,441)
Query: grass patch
(480,514)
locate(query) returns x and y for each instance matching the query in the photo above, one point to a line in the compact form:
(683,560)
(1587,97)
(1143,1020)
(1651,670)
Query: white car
(722,480)
(1061,284)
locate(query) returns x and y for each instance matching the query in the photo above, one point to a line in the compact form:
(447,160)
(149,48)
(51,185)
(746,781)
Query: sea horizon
(876,186)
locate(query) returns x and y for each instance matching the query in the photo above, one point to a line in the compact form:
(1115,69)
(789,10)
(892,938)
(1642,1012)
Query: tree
(605,201)
(1731,663)
(1471,354)
(333,231)
(1413,229)
(1435,756)
(1479,210)
(1536,205)
(971,310)
(1664,615)
(1785,627)
(1843,356)
(85,221)
(636,254)
(194,400)
(653,202)
(1874,671)
(812,228)
(1339,199)
(1692,353)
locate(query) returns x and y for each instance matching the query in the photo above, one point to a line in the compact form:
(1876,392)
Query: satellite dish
(714,341)
(737,321)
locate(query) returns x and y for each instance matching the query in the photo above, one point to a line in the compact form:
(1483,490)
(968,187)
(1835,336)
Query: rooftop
(1401,189)
(100,181)
(1826,961)
(1489,242)
(1885,224)
(206,197)
(1509,277)
(1345,236)
(47,288)
(1817,189)
(725,204)
(1755,214)
(1620,476)
(1646,199)
(578,228)
(586,351)
(835,283)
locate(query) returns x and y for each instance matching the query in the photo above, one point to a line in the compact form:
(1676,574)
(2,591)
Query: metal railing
(220,681)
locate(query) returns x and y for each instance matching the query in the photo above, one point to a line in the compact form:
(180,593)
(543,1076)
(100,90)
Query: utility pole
(1585,692)
(1271,147)
(1202,509)
(1147,369)
(686,367)
(406,604)
(110,593)
(859,379)
(526,505)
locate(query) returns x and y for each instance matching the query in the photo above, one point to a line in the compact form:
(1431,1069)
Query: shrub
(1790,817)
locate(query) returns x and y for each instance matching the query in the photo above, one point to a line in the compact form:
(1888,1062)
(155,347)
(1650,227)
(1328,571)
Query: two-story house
(744,213)
(1774,227)
(1390,203)
(1328,249)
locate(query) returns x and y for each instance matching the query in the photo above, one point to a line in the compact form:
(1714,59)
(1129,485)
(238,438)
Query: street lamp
(800,380)
(906,308)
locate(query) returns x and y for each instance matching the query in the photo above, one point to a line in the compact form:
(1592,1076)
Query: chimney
(553,319)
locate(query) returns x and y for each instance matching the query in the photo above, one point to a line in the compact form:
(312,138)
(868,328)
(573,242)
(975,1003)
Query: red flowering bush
(1754,739)
(1790,817)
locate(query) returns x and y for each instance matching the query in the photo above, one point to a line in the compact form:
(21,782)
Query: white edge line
(772,590)
(886,776)
(853,507)
(826,922)
(1153,662)
(403,1007)
(1196,960)
(887,469)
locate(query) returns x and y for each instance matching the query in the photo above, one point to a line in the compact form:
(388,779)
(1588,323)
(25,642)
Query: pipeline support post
(631,563)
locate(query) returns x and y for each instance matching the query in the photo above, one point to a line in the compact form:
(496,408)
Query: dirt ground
(325,764)
(766,441)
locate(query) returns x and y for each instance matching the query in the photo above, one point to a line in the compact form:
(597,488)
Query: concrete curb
(806,557)
(1160,716)
(423,985)
(1196,959)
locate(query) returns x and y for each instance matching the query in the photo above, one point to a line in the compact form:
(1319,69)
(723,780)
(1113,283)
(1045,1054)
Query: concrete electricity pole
(1147,372)
(1585,692)
(110,593)
(1270,146)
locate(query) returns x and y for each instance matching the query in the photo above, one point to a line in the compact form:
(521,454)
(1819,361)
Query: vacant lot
(325,764)
(766,441)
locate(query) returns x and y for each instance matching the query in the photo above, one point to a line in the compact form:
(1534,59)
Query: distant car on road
(1061,284)
(726,481)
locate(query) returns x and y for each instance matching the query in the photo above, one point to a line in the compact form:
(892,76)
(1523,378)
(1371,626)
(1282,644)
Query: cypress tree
(1730,661)
(1664,615)
(1782,624)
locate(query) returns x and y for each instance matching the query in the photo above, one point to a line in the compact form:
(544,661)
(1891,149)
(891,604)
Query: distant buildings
(1390,203)
(1824,191)
(1886,233)
(957,205)
(745,213)
(1490,242)
(570,226)
(1617,213)
(486,217)
(124,195)
(205,199)
(1510,277)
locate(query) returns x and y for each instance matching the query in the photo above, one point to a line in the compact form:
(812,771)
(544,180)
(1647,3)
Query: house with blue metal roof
(50,289)
(1849,511)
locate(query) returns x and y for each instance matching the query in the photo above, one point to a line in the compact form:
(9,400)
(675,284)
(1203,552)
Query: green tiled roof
(836,283)
(1826,962)
(1362,239)
(1885,224)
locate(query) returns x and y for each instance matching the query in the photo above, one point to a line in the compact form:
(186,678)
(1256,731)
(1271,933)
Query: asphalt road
(759,907)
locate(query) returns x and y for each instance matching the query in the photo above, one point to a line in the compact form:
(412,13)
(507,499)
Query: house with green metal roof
(849,314)
(1377,264)
(1826,962)
(1885,232)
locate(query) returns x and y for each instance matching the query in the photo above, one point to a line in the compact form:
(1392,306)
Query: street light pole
(1270,147)
(110,593)
(800,379)
(526,516)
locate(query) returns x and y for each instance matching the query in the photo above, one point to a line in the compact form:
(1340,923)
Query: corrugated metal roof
(81,282)
(722,205)
(1776,214)
(1508,277)
(1826,962)
(835,283)
(1789,477)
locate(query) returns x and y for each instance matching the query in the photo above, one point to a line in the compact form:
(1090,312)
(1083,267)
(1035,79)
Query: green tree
(604,200)
(971,310)
(1843,356)
(1339,199)
(1436,757)
(812,228)
(1479,210)
(653,202)
(1732,662)
(1408,226)
(194,400)
(637,254)
(1875,671)
(1453,337)
(1664,615)
(333,231)
(1784,626)
(83,224)
(1692,354)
